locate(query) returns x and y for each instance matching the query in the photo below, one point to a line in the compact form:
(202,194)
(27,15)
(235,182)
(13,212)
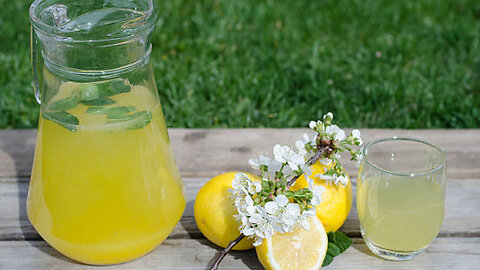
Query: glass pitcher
(105,188)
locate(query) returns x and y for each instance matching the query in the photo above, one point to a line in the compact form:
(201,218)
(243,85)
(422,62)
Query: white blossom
(325,161)
(317,195)
(241,182)
(282,153)
(317,191)
(259,222)
(300,145)
(285,154)
(335,130)
(317,126)
(257,163)
(283,212)
(306,169)
(275,167)
(356,135)
(274,213)
(261,226)
(254,187)
(328,115)
(325,177)
(335,179)
(306,138)
(303,219)
(342,179)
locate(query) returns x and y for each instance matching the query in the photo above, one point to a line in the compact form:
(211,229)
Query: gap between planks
(444,253)
(207,152)
(462,217)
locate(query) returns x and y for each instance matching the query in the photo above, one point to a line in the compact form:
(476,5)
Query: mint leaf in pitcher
(63,118)
(111,111)
(89,91)
(98,93)
(135,120)
(113,87)
(64,104)
(99,102)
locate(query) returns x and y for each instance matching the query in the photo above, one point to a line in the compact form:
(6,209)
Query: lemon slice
(299,250)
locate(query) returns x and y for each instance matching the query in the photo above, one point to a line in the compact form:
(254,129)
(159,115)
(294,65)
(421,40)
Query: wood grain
(203,153)
(445,253)
(462,217)
(207,152)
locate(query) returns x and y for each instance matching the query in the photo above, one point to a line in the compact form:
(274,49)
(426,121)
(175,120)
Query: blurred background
(249,63)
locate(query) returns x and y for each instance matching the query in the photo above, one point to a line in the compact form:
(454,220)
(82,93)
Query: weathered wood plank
(445,253)
(203,153)
(462,217)
(207,152)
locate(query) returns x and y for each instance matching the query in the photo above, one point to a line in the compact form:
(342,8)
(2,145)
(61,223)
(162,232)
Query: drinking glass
(104,188)
(400,196)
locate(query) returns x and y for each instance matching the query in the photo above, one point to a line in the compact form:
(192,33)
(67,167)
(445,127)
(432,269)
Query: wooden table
(203,153)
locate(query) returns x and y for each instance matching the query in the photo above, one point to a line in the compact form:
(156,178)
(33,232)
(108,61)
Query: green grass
(281,63)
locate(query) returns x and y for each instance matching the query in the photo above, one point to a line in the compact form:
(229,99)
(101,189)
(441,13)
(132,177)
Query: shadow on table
(20,148)
(360,246)
(248,257)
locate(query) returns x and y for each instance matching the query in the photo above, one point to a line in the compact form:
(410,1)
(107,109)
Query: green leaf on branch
(338,242)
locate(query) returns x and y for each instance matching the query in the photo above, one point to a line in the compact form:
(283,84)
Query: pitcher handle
(34,58)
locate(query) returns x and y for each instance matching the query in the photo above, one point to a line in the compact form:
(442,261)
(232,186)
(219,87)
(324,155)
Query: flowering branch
(269,206)
(224,252)
(310,162)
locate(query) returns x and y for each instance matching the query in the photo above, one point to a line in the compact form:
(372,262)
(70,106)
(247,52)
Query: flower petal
(293,209)
(254,163)
(325,161)
(281,200)
(271,208)
(356,133)
(340,135)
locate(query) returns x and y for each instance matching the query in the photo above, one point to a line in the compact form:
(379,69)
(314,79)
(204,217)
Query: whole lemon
(214,212)
(336,200)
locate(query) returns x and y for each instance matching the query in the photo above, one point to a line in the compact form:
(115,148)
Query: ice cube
(55,15)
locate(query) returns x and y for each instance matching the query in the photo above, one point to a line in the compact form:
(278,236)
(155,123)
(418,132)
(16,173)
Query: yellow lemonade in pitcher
(105,188)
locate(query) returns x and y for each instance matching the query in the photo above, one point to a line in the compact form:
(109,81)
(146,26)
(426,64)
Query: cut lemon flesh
(299,250)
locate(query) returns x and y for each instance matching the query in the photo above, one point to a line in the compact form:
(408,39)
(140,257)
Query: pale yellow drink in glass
(398,213)
(400,196)
(105,193)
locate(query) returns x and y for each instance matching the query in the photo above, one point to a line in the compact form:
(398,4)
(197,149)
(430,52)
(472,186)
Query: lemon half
(300,249)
